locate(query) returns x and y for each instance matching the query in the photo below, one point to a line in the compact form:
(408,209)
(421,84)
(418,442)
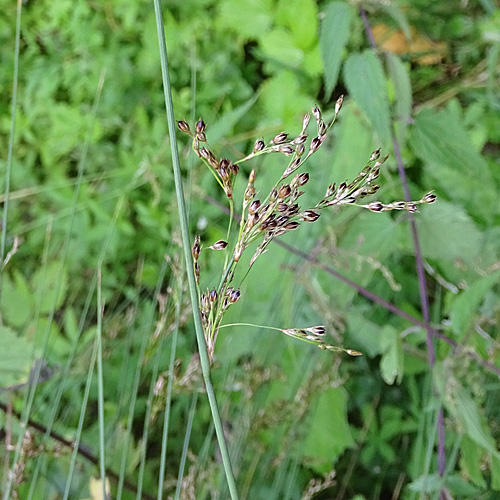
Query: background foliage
(92,189)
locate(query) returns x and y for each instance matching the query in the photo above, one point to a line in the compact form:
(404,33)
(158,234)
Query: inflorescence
(265,218)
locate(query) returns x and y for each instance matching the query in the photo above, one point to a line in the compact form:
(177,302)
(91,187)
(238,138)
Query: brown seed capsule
(375,155)
(224,174)
(251,177)
(284,191)
(254,206)
(330,191)
(197,272)
(213,295)
(299,150)
(315,145)
(224,162)
(200,126)
(317,113)
(280,138)
(196,249)
(282,207)
(286,149)
(184,127)
(249,193)
(300,139)
(375,206)
(412,207)
(273,195)
(235,295)
(322,128)
(205,305)
(291,225)
(258,146)
(310,216)
(338,104)
(302,179)
(373,189)
(305,121)
(373,175)
(219,245)
(429,198)
(293,209)
(282,220)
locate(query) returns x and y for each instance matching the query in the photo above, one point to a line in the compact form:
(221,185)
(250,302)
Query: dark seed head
(375,206)
(200,126)
(196,249)
(317,113)
(235,295)
(213,295)
(284,191)
(280,138)
(219,245)
(254,206)
(338,104)
(291,225)
(184,127)
(310,215)
(302,179)
(429,198)
(375,155)
(258,146)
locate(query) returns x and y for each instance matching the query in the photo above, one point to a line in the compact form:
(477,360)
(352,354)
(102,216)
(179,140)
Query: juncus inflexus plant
(264,218)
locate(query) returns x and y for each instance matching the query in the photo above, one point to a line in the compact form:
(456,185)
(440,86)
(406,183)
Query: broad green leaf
(15,357)
(440,140)
(250,19)
(399,16)
(334,34)
(366,334)
(391,364)
(471,460)
(46,282)
(279,46)
(448,233)
(301,18)
(432,483)
(220,128)
(16,301)
(365,80)
(329,433)
(403,94)
(466,304)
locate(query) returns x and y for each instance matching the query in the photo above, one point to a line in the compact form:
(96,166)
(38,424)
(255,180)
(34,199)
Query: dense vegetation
(93,295)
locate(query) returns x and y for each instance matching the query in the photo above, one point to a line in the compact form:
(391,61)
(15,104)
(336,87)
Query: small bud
(299,150)
(310,216)
(286,149)
(322,128)
(235,295)
(251,177)
(273,195)
(429,198)
(291,225)
(205,305)
(291,168)
(197,272)
(282,220)
(342,190)
(224,162)
(196,249)
(338,104)
(184,127)
(200,126)
(412,207)
(284,191)
(305,121)
(237,253)
(213,295)
(258,146)
(224,174)
(204,153)
(280,138)
(302,179)
(282,207)
(373,189)
(219,245)
(315,145)
(330,191)
(254,206)
(375,155)
(249,193)
(293,209)
(300,139)
(373,175)
(375,206)
(317,113)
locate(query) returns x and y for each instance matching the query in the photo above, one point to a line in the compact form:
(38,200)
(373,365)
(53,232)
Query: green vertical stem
(202,348)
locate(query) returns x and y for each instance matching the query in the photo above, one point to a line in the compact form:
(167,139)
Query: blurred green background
(91,187)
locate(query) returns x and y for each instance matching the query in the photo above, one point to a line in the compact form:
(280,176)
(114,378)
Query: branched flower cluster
(265,218)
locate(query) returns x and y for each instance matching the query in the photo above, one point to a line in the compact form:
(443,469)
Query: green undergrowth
(91,189)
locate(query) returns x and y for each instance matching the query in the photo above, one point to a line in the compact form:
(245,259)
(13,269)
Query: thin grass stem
(202,348)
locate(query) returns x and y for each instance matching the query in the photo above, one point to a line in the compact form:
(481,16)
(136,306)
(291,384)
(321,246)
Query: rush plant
(265,217)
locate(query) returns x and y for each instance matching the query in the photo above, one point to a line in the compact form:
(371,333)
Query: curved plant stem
(202,348)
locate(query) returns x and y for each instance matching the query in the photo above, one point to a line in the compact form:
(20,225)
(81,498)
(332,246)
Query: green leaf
(301,18)
(16,302)
(495,473)
(448,233)
(441,141)
(334,34)
(467,414)
(471,460)
(46,281)
(392,362)
(403,94)
(329,433)
(15,358)
(250,19)
(466,304)
(365,80)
